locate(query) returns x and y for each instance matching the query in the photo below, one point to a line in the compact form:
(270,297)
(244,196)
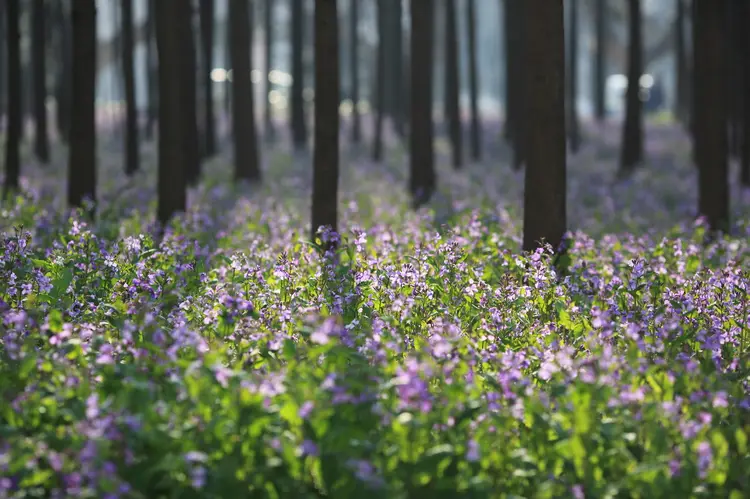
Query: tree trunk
(395,33)
(600,72)
(354,70)
(326,153)
(299,128)
(680,63)
(61,21)
(207,47)
(82,153)
(132,160)
(13,74)
(745,66)
(188,67)
(152,84)
(377,141)
(3,61)
(422,156)
(736,24)
(711,112)
(453,83)
(545,191)
(38,42)
(243,113)
(632,140)
(471,32)
(573,126)
(172,150)
(268,114)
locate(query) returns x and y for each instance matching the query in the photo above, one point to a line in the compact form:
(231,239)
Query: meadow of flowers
(428,358)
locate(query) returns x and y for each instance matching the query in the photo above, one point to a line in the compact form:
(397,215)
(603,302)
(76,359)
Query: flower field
(427,359)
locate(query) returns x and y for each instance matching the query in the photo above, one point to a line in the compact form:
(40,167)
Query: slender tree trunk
(397,67)
(326,153)
(545,191)
(680,63)
(190,97)
(422,157)
(573,126)
(745,67)
(63,78)
(453,83)
(268,108)
(471,31)
(152,72)
(632,140)
(711,112)
(377,143)
(3,61)
(13,75)
(299,127)
(39,61)
(246,165)
(515,53)
(172,151)
(354,70)
(600,72)
(82,153)
(207,46)
(132,159)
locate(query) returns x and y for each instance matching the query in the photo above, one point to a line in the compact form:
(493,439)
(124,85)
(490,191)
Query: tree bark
(299,128)
(680,109)
(632,140)
(545,191)
(61,21)
(189,70)
(152,71)
(711,112)
(132,159)
(452,81)
(516,60)
(268,108)
(354,70)
(326,153)
(380,104)
(82,153)
(422,156)
(471,31)
(246,165)
(395,32)
(573,126)
(3,61)
(172,150)
(745,67)
(600,72)
(38,42)
(207,47)
(13,74)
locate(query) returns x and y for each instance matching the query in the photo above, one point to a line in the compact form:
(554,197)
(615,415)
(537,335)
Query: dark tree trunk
(207,47)
(268,115)
(471,31)
(736,24)
(395,33)
(243,113)
(711,112)
(515,55)
(680,63)
(39,61)
(354,70)
(452,82)
(299,127)
(82,153)
(377,141)
(152,71)
(132,159)
(745,65)
(61,21)
(600,51)
(632,139)
(545,191)
(3,61)
(573,126)
(13,75)
(172,150)
(422,156)
(326,153)
(188,67)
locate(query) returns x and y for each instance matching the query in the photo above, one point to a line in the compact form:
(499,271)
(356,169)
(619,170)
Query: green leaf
(55,321)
